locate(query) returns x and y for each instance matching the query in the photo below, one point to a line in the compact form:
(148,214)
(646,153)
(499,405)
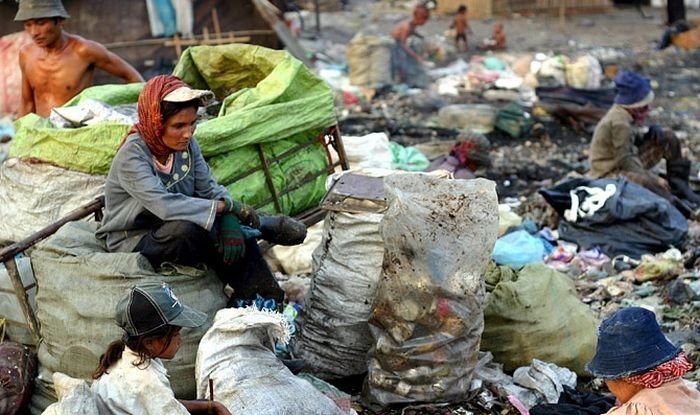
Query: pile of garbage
(463,265)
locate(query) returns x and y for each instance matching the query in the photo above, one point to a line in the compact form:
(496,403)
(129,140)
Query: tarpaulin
(632,222)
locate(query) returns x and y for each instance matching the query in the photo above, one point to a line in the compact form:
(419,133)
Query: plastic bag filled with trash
(428,316)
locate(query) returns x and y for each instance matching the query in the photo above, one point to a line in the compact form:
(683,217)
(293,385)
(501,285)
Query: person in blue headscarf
(621,147)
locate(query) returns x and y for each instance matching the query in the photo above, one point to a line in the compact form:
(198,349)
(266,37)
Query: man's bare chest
(58,73)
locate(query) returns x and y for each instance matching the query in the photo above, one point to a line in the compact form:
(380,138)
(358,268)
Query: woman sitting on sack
(161,199)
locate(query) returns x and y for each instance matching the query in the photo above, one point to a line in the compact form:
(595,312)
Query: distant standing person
(57,65)
(407,64)
(461,26)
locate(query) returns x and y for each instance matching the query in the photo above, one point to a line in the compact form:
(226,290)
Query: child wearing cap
(641,367)
(130,377)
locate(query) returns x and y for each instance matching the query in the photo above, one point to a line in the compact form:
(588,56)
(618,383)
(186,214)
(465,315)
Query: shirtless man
(407,64)
(58,65)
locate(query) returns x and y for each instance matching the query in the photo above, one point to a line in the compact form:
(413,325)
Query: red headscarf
(663,373)
(150,125)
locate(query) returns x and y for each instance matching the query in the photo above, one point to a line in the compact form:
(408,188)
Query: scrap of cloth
(573,402)
(664,373)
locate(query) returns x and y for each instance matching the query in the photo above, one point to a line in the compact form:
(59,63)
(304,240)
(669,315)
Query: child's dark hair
(168,109)
(137,344)
(462,8)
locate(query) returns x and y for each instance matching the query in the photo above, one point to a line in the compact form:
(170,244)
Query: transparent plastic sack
(428,316)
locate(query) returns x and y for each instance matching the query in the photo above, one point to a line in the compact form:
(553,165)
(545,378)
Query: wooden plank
(237,34)
(478,9)
(214,41)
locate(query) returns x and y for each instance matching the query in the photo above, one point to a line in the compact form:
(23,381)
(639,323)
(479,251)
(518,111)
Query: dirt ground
(617,28)
(621,36)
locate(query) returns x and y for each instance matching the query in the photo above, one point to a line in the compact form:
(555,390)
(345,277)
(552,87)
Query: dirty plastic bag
(334,334)
(236,353)
(368,151)
(428,316)
(584,72)
(536,314)
(295,259)
(547,379)
(407,158)
(518,249)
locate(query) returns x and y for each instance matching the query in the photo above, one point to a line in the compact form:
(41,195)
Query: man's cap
(633,90)
(630,342)
(40,9)
(149,307)
(185,93)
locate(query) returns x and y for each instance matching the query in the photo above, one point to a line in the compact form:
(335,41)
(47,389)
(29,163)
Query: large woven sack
(236,354)
(369,61)
(79,287)
(34,195)
(334,334)
(536,314)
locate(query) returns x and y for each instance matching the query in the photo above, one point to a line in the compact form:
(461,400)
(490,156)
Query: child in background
(497,41)
(461,26)
(407,64)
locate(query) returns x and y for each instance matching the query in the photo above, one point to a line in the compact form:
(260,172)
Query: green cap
(40,9)
(149,307)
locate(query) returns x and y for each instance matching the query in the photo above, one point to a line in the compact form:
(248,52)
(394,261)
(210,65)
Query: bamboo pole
(239,34)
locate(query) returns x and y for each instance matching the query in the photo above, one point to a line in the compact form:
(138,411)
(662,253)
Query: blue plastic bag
(518,249)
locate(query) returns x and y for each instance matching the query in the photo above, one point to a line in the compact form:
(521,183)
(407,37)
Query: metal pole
(318,16)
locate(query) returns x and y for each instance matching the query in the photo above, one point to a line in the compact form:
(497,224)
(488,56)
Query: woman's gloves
(656,133)
(231,242)
(245,213)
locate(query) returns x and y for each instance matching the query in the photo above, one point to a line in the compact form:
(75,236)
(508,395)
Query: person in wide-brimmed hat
(57,65)
(641,367)
(618,148)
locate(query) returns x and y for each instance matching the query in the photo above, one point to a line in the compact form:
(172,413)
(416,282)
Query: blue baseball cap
(630,342)
(149,307)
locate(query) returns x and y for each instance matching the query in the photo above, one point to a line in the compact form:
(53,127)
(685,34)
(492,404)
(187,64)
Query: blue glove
(231,242)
